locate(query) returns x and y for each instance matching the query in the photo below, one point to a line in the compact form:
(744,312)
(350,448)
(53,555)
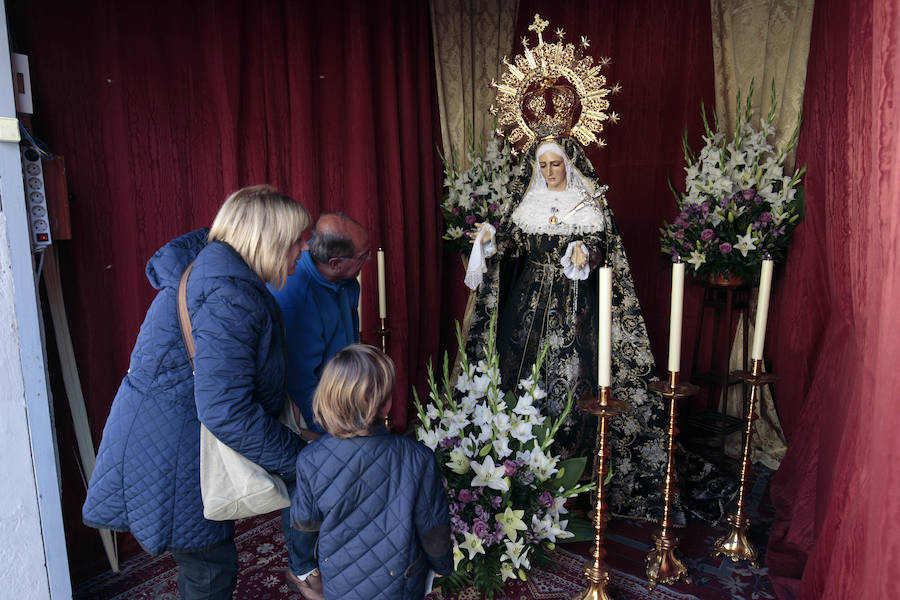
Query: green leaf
(582,529)
(570,473)
(509,399)
(800,199)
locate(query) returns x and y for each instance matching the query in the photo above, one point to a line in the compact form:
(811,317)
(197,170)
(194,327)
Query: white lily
(543,466)
(745,243)
(459,462)
(517,553)
(696,259)
(512,522)
(457,556)
(472,545)
(547,529)
(487,474)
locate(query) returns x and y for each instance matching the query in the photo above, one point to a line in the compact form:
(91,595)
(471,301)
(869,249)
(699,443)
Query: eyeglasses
(361,258)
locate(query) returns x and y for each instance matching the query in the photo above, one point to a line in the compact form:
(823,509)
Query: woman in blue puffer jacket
(147,475)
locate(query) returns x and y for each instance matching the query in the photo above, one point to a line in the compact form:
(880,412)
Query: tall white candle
(604,333)
(675,317)
(762,309)
(382,295)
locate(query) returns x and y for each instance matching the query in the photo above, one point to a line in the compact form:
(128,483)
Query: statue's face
(553,168)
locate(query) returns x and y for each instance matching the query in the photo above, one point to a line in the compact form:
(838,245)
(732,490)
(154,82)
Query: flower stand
(727,300)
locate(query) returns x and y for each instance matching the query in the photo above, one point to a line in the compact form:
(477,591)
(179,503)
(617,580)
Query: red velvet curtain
(662,56)
(163,108)
(834,325)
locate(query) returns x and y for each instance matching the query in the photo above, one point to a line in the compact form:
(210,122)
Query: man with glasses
(319,303)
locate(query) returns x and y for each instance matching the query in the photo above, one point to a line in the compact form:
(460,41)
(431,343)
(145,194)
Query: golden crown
(552,91)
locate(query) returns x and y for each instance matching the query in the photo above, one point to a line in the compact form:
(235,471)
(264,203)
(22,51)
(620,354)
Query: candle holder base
(662,564)
(736,545)
(666,390)
(598,579)
(384,333)
(610,408)
(597,572)
(757,379)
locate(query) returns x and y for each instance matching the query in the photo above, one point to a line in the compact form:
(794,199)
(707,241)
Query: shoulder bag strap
(183,317)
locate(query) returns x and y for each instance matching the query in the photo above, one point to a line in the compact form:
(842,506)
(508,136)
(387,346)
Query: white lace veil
(574,179)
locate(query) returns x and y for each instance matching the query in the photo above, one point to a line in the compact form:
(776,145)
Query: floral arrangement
(505,487)
(739,204)
(477,194)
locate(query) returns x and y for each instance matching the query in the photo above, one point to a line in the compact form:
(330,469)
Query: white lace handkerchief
(569,269)
(482,249)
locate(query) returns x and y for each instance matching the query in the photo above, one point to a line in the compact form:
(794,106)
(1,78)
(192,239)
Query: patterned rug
(262,560)
(565,579)
(262,557)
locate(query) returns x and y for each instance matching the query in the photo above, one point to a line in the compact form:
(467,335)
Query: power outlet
(36,198)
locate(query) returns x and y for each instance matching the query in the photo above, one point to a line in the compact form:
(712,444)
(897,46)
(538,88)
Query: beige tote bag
(232,486)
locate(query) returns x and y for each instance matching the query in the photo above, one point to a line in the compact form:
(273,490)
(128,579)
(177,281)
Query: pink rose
(546,499)
(480,528)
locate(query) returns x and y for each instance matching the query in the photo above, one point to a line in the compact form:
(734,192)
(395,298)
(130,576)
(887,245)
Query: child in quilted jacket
(377,500)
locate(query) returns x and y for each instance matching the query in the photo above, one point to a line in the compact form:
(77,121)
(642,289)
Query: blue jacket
(320,318)
(380,507)
(147,476)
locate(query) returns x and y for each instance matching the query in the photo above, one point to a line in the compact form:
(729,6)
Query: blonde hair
(261,224)
(355,384)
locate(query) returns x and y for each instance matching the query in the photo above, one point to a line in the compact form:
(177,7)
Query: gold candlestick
(384,333)
(597,572)
(662,564)
(736,545)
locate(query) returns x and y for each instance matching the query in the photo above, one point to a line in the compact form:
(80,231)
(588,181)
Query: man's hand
(308,435)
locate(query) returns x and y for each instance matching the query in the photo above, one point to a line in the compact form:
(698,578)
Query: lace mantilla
(536,211)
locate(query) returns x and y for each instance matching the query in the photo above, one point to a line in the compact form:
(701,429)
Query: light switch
(9,130)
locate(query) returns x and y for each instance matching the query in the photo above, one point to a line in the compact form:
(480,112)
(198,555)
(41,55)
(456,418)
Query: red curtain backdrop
(161,109)
(662,56)
(834,324)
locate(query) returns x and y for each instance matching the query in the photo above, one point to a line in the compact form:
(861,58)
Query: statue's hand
(579,255)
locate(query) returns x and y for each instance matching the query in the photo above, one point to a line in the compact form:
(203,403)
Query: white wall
(23,573)
(33,559)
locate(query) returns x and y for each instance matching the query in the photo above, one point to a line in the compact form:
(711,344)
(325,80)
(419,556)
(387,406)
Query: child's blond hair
(355,385)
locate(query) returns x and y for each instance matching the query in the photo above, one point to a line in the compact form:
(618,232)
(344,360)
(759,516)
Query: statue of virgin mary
(542,282)
(537,271)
